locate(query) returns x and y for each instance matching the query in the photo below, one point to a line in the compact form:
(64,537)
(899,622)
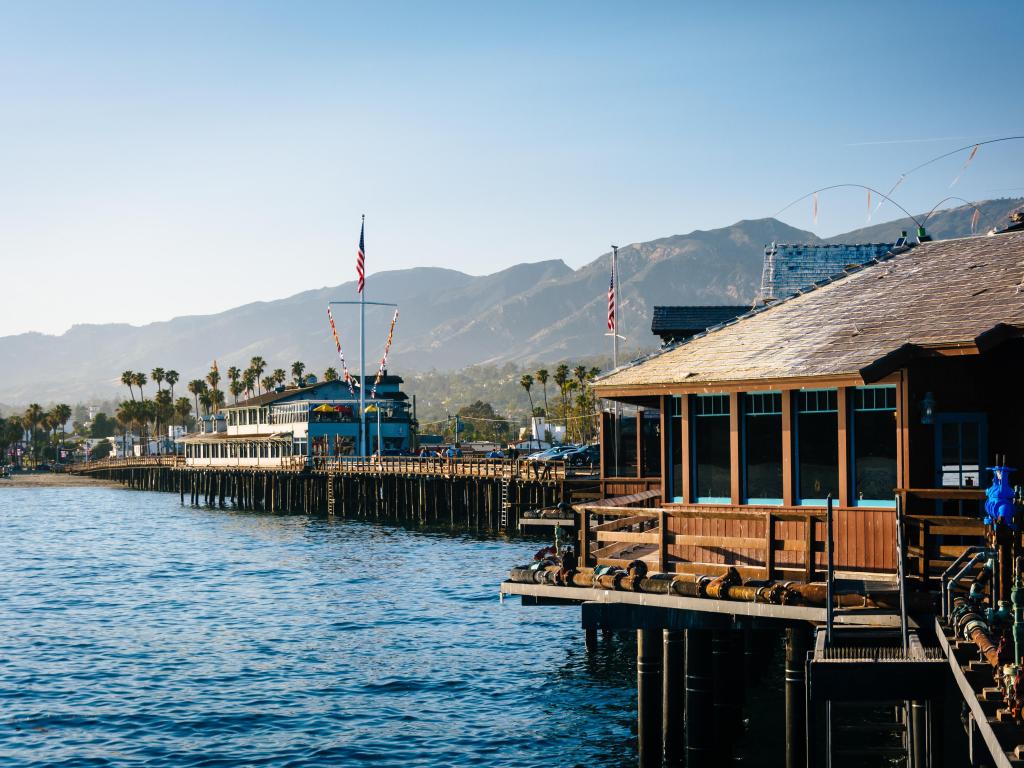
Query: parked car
(588,456)
(557,453)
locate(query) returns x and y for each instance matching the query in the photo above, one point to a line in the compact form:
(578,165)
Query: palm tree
(249,381)
(269,382)
(33,418)
(258,366)
(542,376)
(182,409)
(213,378)
(561,377)
(526,382)
(206,398)
(234,374)
(158,375)
(298,367)
(172,377)
(279,376)
(128,378)
(139,380)
(125,416)
(61,414)
(197,387)
(330,375)
(163,409)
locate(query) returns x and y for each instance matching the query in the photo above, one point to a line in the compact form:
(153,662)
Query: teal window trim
(714,500)
(802,404)
(863,402)
(765,403)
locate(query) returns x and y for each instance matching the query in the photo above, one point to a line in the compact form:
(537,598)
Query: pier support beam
(727,670)
(698,699)
(673,732)
(796,696)
(648,696)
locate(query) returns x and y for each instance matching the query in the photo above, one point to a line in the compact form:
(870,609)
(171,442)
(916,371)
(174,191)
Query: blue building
(313,421)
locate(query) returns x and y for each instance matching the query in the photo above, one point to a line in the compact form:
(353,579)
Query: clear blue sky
(160,159)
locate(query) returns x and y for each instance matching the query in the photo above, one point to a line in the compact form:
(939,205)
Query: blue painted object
(999,502)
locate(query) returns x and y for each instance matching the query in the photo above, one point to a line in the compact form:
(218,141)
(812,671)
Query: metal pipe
(948,582)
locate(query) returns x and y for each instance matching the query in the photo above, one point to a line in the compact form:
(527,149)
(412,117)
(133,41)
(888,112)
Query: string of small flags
(341,355)
(384,360)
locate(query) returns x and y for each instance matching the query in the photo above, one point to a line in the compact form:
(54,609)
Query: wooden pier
(479,494)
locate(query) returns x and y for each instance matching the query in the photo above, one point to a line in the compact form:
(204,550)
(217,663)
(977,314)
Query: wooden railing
(760,542)
(510,469)
(130,461)
(521,469)
(934,541)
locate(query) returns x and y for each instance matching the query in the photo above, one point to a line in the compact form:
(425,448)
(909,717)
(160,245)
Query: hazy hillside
(541,311)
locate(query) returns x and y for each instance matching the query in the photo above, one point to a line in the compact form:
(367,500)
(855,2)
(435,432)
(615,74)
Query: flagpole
(615,285)
(617,434)
(362,356)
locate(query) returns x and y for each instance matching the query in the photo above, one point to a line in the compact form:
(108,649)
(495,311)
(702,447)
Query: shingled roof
(937,293)
(680,322)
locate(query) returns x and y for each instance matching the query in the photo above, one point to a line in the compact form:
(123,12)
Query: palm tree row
(41,425)
(577,402)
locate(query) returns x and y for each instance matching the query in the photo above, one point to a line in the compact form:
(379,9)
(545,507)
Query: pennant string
(384,359)
(964,168)
(341,355)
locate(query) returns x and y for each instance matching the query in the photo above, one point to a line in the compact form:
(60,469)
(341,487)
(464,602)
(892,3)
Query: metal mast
(362,356)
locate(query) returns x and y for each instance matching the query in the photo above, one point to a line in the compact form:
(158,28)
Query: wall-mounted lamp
(928,408)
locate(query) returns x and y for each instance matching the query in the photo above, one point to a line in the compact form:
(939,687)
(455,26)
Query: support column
(648,696)
(673,733)
(919,734)
(796,698)
(727,669)
(590,639)
(698,699)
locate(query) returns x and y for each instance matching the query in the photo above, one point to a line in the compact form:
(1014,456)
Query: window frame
(744,496)
(694,474)
(851,428)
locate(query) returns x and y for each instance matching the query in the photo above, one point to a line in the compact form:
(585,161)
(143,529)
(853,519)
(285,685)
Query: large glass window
(711,466)
(678,455)
(874,445)
(650,442)
(817,445)
(620,459)
(762,447)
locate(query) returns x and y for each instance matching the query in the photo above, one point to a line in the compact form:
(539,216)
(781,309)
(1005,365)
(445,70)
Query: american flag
(360,259)
(611,302)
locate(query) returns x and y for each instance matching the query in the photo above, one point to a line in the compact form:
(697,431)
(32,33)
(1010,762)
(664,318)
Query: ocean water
(137,632)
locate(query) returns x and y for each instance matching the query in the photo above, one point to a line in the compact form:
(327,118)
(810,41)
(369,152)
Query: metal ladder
(330,491)
(505,506)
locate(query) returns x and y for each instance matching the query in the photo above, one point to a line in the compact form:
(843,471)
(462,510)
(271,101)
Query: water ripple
(136,632)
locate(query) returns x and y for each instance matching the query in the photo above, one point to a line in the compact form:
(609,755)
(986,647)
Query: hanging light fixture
(928,408)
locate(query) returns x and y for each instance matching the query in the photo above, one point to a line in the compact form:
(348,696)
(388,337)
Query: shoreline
(53,480)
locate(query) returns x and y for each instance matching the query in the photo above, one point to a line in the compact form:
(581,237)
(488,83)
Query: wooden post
(788,495)
(663,566)
(584,534)
(648,697)
(699,699)
(796,702)
(664,423)
(684,447)
(809,556)
(844,447)
(769,543)
(672,698)
(735,471)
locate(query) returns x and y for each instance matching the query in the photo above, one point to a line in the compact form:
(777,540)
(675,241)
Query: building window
(874,446)
(650,442)
(620,459)
(711,466)
(817,445)
(762,447)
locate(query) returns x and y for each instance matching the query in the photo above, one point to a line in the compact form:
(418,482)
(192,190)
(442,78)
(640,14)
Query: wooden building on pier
(899,376)
(318,420)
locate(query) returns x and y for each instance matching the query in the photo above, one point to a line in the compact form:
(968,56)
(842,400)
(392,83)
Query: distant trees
(542,376)
(483,423)
(330,375)
(102,426)
(298,368)
(526,382)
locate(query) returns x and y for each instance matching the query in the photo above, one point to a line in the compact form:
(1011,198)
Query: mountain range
(540,311)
